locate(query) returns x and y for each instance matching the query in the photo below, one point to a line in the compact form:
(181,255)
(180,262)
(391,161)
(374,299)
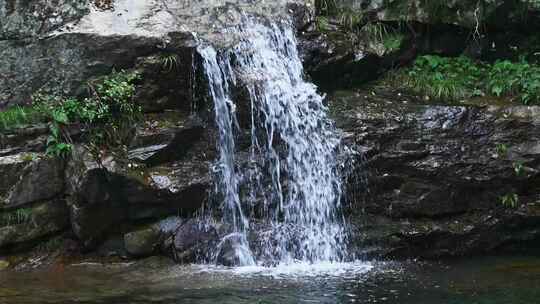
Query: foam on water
(290,271)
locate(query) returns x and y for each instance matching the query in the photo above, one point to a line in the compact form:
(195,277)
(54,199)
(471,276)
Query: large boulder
(142,242)
(106,191)
(192,241)
(25,225)
(30,177)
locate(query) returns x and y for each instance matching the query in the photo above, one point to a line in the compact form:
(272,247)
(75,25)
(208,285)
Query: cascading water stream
(293,177)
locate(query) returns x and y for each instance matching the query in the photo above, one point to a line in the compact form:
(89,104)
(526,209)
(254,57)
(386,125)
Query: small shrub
(502,150)
(322,23)
(16,117)
(169,62)
(510,200)
(350,20)
(17,217)
(457,78)
(386,36)
(443,78)
(511,79)
(108,110)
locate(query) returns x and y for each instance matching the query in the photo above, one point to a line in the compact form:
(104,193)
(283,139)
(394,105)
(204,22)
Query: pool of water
(489,280)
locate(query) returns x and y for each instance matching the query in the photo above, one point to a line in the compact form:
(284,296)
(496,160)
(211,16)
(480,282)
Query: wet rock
(30,178)
(32,138)
(142,242)
(193,240)
(79,58)
(107,194)
(232,253)
(436,175)
(169,84)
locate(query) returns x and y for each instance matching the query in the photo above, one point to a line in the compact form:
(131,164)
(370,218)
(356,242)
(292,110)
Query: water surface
(481,280)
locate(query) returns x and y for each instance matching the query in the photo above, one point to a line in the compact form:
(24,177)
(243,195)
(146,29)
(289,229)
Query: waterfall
(292,178)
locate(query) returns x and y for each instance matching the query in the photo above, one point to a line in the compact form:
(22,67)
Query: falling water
(293,177)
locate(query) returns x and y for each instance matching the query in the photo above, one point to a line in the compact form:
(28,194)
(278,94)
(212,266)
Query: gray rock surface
(32,223)
(57,47)
(437,174)
(142,242)
(30,178)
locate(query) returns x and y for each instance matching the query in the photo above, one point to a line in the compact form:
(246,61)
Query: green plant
(18,116)
(443,78)
(510,200)
(169,61)
(322,23)
(28,157)
(107,113)
(501,149)
(350,19)
(510,79)
(383,34)
(519,169)
(392,42)
(17,217)
(460,77)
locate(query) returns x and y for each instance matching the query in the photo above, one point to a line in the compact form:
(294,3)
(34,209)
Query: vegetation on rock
(109,107)
(452,79)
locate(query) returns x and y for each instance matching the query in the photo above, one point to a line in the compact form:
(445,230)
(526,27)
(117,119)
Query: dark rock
(231,252)
(142,242)
(24,226)
(105,195)
(24,139)
(334,62)
(26,67)
(193,240)
(165,137)
(30,178)
(437,174)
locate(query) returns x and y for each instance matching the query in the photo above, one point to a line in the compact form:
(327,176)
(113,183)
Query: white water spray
(294,178)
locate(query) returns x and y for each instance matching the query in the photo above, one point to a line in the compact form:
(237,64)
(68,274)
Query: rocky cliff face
(56,47)
(438,176)
(468,13)
(431,181)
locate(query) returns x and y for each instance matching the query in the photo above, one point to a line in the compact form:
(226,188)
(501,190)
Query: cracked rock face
(436,175)
(26,19)
(57,46)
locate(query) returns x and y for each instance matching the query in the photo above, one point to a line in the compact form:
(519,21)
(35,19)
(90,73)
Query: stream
(490,280)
